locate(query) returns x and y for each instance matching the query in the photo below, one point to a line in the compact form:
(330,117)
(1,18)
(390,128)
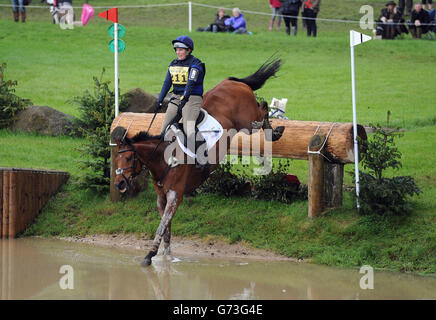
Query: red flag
(111,14)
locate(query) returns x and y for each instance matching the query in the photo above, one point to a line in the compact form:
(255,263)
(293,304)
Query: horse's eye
(129,158)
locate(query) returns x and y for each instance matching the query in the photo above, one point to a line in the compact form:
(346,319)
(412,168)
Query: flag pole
(190,16)
(356,146)
(116,66)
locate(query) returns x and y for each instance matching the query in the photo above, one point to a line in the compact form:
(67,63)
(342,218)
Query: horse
(233,104)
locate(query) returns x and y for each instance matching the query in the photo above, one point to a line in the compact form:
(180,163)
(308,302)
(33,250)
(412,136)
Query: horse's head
(127,162)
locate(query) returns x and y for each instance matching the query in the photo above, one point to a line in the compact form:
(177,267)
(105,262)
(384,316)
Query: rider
(186,75)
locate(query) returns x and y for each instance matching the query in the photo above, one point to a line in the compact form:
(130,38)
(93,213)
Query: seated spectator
(419,18)
(236,24)
(432,14)
(389,23)
(218,24)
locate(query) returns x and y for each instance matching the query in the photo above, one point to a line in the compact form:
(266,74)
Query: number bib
(179,75)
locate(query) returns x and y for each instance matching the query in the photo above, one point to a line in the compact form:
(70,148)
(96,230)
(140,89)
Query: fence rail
(190,4)
(23,193)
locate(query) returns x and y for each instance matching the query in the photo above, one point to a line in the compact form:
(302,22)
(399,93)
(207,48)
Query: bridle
(120,171)
(133,166)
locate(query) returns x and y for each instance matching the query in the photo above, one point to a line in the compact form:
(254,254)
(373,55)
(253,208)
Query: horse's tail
(266,71)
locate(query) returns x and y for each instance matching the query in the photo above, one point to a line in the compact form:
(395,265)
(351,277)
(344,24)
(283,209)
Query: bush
(379,194)
(10,103)
(222,181)
(94,122)
(278,185)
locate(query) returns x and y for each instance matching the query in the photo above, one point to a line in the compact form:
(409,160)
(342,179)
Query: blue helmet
(183,42)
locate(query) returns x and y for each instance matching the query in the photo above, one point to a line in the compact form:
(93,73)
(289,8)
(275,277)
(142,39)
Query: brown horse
(233,104)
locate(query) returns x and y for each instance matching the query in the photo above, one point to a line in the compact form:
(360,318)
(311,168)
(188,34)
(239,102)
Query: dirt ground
(182,246)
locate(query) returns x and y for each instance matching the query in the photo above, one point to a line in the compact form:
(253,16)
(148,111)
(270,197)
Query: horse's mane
(145,136)
(118,135)
(266,71)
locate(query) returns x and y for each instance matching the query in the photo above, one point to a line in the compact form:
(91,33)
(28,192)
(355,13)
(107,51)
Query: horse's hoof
(145,262)
(277,133)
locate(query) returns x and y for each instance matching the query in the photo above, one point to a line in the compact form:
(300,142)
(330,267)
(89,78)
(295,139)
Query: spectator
(311,9)
(15,5)
(66,13)
(290,8)
(432,27)
(236,24)
(218,24)
(419,18)
(405,6)
(389,23)
(275,6)
(429,4)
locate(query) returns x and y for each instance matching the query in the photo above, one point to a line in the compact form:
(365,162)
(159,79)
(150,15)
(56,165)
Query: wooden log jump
(23,193)
(294,144)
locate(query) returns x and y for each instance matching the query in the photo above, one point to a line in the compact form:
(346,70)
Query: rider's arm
(194,75)
(165,87)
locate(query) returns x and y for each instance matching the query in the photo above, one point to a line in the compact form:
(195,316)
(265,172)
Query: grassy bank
(54,65)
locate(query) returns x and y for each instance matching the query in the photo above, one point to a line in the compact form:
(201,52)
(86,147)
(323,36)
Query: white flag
(357,38)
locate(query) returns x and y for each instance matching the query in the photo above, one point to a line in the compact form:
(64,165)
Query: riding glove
(157,106)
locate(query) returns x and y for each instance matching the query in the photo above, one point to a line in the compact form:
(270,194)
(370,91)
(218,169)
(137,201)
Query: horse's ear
(117,135)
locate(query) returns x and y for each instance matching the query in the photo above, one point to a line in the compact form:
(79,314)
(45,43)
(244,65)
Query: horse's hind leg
(173,201)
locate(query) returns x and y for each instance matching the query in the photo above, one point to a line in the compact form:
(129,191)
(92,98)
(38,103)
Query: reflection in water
(29,269)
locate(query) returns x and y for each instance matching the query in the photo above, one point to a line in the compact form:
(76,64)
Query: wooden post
(13,219)
(5,204)
(114,193)
(316,176)
(333,181)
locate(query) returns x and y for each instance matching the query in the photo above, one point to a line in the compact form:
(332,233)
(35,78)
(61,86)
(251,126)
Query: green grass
(54,65)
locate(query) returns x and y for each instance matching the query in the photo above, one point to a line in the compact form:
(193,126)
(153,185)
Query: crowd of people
(288,9)
(391,22)
(223,23)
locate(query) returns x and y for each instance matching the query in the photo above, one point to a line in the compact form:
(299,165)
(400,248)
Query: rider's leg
(190,114)
(170,114)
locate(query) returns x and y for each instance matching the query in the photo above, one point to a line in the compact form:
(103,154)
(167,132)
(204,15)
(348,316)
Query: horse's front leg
(167,240)
(161,204)
(173,201)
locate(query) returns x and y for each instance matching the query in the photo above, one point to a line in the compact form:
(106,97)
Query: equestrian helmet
(183,42)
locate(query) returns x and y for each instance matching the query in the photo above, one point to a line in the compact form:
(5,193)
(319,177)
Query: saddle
(180,133)
(207,132)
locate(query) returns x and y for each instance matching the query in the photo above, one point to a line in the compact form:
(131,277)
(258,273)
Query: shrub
(96,116)
(10,103)
(222,181)
(379,194)
(278,185)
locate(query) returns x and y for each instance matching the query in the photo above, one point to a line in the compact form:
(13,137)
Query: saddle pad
(211,131)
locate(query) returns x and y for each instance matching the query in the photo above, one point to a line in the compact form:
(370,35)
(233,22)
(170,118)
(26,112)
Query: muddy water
(29,269)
